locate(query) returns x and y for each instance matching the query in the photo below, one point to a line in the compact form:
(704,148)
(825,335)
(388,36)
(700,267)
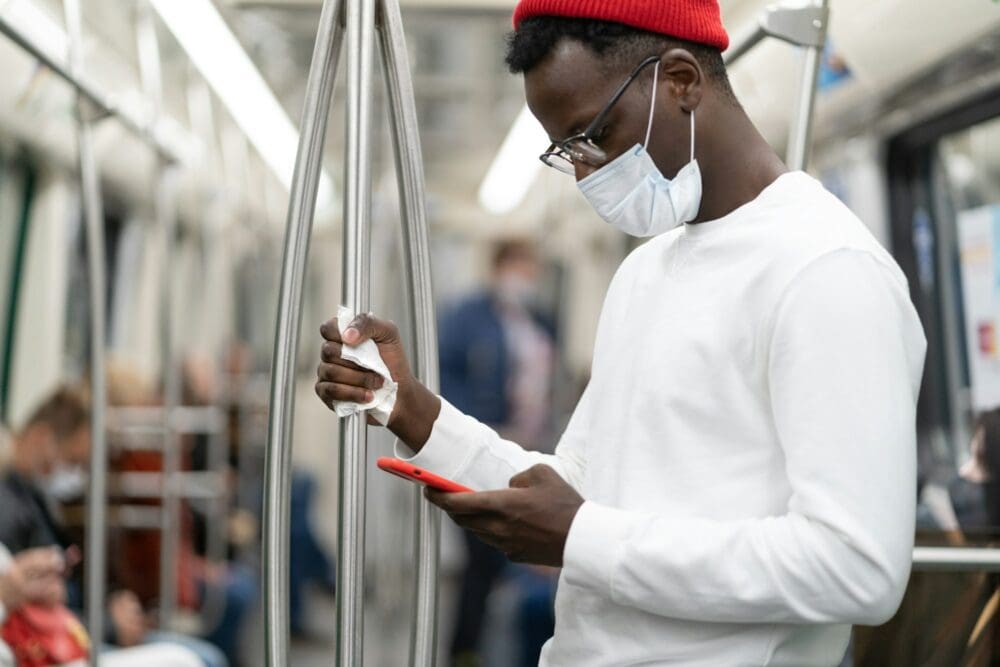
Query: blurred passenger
(983,470)
(737,483)
(49,458)
(33,595)
(497,364)
(968,505)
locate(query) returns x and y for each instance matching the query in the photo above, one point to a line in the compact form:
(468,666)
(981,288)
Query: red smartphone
(419,475)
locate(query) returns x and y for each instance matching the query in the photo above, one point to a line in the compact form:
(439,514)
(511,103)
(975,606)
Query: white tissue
(367,356)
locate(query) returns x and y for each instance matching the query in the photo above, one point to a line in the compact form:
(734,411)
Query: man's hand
(35,577)
(128,619)
(341,380)
(529,521)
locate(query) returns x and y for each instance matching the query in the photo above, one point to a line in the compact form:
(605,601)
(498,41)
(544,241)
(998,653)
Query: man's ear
(682,76)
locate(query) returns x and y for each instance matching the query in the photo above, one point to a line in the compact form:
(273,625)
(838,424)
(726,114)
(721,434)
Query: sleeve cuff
(594,546)
(447,450)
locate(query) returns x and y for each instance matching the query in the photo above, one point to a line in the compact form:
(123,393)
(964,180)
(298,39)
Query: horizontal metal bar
(185,419)
(189,485)
(956,559)
(801,26)
(86,88)
(744,43)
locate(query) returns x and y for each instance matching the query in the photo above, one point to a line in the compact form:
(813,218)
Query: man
(48,457)
(737,484)
(497,363)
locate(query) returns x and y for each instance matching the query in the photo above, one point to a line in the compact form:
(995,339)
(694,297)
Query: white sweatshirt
(746,445)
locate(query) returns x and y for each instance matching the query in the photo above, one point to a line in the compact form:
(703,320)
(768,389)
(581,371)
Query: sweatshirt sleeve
(474,455)
(845,362)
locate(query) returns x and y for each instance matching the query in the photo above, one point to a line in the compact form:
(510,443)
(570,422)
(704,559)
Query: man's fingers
(330,353)
(533,476)
(521,480)
(48,590)
(343,375)
(41,562)
(330,330)
(368,327)
(330,392)
(484,502)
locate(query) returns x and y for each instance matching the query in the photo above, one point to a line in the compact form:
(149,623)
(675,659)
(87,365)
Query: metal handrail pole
(278,452)
(170,509)
(410,175)
(150,74)
(360,40)
(93,211)
(956,559)
(800,130)
(804,26)
(213,603)
(744,44)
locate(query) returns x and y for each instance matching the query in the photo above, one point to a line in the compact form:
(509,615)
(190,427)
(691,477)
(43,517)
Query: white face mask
(66,482)
(515,290)
(631,194)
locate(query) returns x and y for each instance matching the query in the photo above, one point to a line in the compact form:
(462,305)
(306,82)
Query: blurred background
(907,134)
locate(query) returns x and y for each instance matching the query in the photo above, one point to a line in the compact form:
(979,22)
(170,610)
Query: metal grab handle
(278,453)
(805,27)
(93,211)
(410,174)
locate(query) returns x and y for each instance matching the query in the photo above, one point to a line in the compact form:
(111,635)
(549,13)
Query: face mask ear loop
(652,105)
(692,135)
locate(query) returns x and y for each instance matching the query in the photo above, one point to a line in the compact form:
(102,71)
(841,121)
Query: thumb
(368,327)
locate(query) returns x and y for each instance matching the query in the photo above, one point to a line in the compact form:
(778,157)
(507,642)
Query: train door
(945,213)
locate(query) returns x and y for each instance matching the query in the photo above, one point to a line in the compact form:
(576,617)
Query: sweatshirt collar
(711,227)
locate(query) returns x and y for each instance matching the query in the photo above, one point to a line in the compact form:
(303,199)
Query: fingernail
(369,396)
(379,382)
(351,335)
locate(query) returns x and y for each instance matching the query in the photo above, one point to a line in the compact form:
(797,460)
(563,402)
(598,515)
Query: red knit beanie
(698,21)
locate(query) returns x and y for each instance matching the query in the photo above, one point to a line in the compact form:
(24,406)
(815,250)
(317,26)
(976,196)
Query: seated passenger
(51,449)
(35,578)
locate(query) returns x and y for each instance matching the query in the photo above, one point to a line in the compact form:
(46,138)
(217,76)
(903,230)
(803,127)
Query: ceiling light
(217,54)
(515,166)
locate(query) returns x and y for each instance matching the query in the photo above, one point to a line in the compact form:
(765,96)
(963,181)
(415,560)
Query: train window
(77,330)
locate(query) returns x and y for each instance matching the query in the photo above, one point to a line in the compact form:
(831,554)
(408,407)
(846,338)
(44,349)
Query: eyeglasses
(563,155)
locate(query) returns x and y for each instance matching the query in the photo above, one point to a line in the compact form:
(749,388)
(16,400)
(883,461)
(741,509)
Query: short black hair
(620,46)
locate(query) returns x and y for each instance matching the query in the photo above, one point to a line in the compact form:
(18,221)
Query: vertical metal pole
(170,508)
(213,604)
(278,455)
(410,174)
(90,187)
(800,131)
(357,296)
(148,49)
